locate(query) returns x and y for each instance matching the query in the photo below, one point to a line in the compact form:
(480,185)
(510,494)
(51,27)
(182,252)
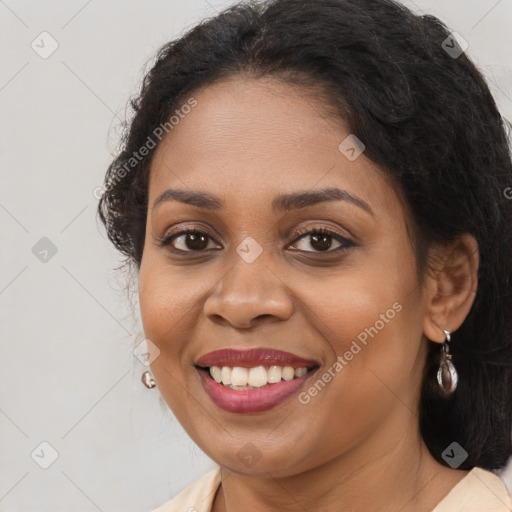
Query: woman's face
(348,302)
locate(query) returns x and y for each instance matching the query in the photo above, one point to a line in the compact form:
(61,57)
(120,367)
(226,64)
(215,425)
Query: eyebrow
(282,203)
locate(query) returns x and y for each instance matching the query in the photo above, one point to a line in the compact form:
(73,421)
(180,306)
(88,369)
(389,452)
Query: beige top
(478,491)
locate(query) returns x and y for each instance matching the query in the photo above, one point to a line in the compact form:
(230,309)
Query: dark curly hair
(426,117)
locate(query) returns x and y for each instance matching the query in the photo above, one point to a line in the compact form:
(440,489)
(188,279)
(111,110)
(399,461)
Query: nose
(248,293)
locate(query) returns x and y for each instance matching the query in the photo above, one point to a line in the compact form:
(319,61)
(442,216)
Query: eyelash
(166,241)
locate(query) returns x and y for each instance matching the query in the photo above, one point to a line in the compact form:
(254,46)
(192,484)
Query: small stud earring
(148,379)
(447,377)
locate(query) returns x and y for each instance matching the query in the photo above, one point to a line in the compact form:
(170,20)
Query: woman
(314,197)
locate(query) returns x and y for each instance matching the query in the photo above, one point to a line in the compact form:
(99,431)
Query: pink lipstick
(243,399)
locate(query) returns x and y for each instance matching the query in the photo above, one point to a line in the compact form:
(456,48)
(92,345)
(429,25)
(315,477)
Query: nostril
(263,316)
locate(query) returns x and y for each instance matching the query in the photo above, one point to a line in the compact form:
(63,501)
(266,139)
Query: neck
(404,476)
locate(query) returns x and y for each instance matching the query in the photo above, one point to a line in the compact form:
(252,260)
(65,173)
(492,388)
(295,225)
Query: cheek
(169,305)
(361,303)
(374,341)
(370,316)
(366,329)
(168,314)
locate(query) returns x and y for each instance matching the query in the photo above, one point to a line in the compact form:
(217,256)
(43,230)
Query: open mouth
(258,377)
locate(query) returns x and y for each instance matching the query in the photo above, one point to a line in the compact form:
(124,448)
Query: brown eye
(191,240)
(321,240)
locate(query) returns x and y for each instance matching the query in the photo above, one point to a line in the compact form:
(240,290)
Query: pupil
(197,241)
(322,238)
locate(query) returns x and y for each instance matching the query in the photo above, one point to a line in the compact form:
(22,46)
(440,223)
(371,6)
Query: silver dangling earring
(447,374)
(148,379)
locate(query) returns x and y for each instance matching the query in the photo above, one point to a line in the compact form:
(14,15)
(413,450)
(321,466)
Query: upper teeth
(255,377)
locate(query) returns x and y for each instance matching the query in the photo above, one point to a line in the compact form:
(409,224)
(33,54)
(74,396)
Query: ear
(451,286)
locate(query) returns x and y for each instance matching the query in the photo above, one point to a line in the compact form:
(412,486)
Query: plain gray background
(68,375)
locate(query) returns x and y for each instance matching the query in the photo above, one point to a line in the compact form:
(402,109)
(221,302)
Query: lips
(253,357)
(255,399)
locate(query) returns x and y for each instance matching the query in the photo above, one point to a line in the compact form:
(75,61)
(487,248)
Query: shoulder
(479,491)
(197,497)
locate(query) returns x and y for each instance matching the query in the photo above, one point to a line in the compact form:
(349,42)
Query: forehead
(255,138)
